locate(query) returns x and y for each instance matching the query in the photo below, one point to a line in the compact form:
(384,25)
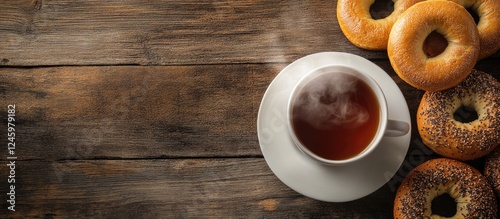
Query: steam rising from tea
(331,101)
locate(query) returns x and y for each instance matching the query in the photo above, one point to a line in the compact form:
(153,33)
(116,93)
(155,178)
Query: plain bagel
(488,26)
(406,39)
(361,29)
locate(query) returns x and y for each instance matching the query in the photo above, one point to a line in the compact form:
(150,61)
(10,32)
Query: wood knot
(269,204)
(38,4)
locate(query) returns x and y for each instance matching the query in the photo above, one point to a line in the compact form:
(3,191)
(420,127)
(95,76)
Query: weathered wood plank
(164,188)
(36,33)
(174,188)
(89,112)
(170,32)
(126,141)
(147,112)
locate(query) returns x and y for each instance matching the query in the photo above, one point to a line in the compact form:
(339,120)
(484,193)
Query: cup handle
(396,128)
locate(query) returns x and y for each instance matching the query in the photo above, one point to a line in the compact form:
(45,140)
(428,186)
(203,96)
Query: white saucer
(309,177)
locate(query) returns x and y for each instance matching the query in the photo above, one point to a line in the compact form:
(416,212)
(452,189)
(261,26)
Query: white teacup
(338,115)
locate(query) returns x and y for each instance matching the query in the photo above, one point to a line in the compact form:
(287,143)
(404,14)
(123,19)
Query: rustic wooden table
(148,109)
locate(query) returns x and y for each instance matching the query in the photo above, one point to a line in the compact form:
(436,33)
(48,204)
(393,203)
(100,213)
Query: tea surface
(336,116)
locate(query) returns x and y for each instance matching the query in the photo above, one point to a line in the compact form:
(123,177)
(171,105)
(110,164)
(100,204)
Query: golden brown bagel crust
(454,139)
(488,25)
(492,170)
(471,191)
(361,29)
(406,39)
(488,12)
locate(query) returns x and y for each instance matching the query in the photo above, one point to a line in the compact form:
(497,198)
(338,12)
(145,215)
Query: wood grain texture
(185,188)
(99,136)
(171,32)
(136,112)
(37,33)
(148,112)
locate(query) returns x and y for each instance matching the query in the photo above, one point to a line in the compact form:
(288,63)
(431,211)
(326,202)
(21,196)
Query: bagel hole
(465,114)
(434,44)
(474,15)
(381,9)
(444,205)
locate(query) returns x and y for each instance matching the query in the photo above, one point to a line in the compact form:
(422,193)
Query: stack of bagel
(404,31)
(411,35)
